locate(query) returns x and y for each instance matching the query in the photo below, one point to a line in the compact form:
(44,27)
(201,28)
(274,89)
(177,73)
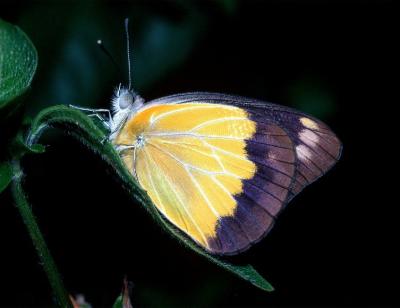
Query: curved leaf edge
(79,125)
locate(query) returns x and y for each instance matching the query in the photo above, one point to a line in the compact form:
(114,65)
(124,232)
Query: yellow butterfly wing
(192,160)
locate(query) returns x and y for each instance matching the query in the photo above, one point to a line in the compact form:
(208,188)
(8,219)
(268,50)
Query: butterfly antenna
(128,51)
(108,54)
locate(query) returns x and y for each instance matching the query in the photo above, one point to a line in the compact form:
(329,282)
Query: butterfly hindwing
(222,167)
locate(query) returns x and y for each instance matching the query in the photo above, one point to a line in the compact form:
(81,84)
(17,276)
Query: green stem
(61,295)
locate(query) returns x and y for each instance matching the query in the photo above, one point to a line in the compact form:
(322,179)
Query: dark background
(335,245)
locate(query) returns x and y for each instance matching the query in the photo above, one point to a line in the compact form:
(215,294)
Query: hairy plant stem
(24,208)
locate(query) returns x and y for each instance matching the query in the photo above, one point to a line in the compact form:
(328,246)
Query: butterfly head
(126,100)
(125,103)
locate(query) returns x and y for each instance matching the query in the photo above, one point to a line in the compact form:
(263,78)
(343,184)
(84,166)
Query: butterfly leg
(102,120)
(122,147)
(111,128)
(96,113)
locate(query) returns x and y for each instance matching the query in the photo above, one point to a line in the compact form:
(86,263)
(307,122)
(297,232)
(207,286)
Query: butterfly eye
(125,100)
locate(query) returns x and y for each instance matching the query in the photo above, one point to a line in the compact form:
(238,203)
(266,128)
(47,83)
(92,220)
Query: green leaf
(82,127)
(5,175)
(18,62)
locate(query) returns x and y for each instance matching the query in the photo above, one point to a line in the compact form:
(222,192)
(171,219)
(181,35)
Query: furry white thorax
(125,103)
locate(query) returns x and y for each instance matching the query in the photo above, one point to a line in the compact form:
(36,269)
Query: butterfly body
(221,167)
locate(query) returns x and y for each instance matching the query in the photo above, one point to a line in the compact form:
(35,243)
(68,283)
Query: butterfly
(219,167)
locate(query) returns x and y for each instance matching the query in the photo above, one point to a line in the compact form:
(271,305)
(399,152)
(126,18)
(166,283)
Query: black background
(335,245)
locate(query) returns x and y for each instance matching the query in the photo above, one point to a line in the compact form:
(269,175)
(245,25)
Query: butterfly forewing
(222,167)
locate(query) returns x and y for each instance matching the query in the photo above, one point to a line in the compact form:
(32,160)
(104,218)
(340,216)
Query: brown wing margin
(262,196)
